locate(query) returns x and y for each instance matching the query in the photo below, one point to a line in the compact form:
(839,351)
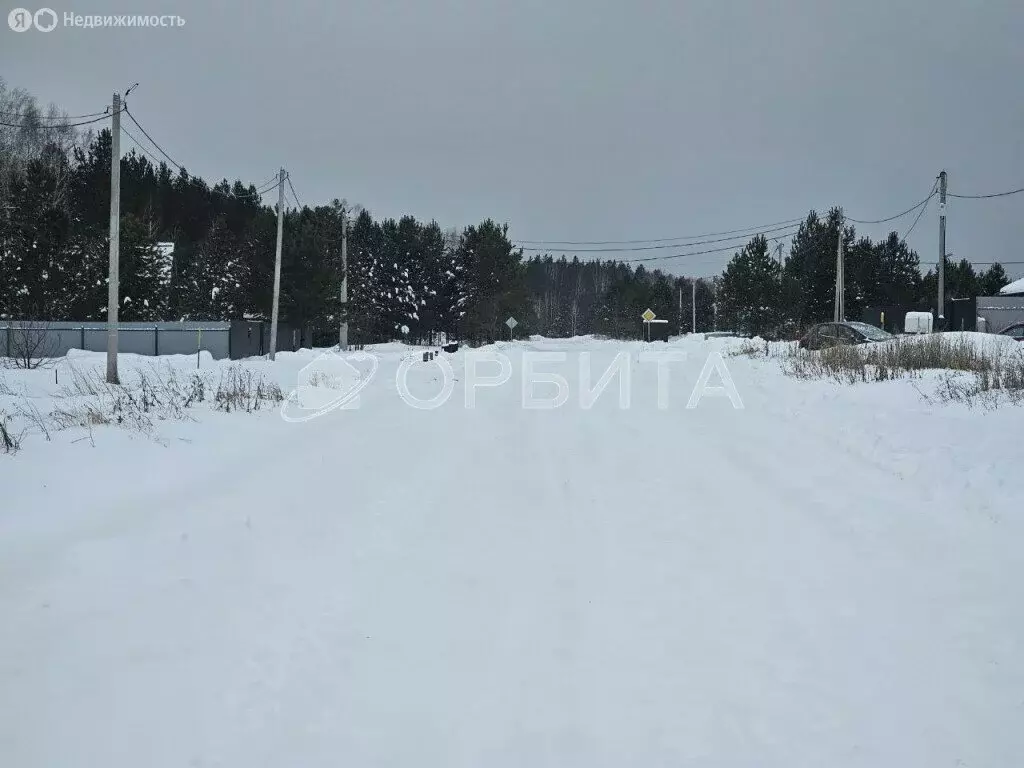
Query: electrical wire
(289,179)
(62,125)
(815,242)
(739,234)
(788,222)
(984,197)
(138,144)
(170,159)
(267,188)
(39,116)
(898,215)
(662,247)
(271,180)
(259,192)
(920,213)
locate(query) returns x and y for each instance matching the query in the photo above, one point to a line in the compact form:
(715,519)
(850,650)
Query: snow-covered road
(829,576)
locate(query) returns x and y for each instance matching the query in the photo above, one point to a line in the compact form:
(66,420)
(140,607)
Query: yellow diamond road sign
(648,315)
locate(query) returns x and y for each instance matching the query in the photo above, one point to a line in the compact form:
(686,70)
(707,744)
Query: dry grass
(146,397)
(10,440)
(970,373)
(760,348)
(241,390)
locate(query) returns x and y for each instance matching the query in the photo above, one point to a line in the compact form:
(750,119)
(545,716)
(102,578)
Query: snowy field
(830,576)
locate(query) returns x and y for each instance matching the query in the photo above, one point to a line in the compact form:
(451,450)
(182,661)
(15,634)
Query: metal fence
(1000,311)
(233,339)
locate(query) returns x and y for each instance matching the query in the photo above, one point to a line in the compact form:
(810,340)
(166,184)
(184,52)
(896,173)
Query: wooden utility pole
(113,288)
(277,264)
(343,333)
(940,313)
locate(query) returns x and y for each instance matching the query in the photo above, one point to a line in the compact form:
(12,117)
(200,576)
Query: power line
(678,255)
(158,161)
(920,213)
(64,125)
(268,186)
(40,116)
(913,208)
(788,222)
(983,197)
(159,148)
(138,144)
(272,179)
(662,247)
(814,242)
(232,195)
(292,188)
(739,234)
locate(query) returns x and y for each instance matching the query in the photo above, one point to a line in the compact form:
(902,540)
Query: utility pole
(343,335)
(277,263)
(840,310)
(941,300)
(693,305)
(680,307)
(113,288)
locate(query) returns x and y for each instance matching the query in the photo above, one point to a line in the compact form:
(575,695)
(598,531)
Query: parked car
(840,334)
(1015,331)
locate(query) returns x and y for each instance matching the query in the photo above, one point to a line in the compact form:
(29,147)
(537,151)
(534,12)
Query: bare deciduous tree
(29,344)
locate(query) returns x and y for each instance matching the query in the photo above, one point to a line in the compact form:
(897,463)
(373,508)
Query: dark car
(1015,331)
(840,334)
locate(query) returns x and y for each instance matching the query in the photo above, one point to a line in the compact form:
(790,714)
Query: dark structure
(962,314)
(656,330)
(890,318)
(251,338)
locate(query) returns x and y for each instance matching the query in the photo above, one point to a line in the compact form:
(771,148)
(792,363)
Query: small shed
(656,330)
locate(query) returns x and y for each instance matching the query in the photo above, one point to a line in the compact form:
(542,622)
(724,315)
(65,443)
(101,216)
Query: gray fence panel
(1001,311)
(133,338)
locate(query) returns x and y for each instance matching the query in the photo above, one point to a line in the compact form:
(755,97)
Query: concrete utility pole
(941,299)
(693,306)
(343,334)
(680,309)
(113,288)
(277,263)
(840,310)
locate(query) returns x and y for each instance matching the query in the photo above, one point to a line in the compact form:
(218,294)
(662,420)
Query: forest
(407,278)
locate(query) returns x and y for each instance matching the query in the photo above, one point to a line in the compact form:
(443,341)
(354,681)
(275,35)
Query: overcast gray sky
(578,119)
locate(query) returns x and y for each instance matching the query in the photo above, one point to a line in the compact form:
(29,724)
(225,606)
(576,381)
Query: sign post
(511,323)
(648,316)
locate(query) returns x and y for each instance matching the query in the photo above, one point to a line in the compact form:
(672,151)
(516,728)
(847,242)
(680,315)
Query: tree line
(759,293)
(407,279)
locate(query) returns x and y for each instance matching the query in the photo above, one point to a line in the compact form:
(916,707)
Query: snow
(828,576)
(1017,286)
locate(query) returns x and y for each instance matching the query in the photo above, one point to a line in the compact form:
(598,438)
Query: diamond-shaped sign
(648,315)
(511,323)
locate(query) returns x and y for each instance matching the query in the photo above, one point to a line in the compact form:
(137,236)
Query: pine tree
(992,280)
(750,290)
(495,279)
